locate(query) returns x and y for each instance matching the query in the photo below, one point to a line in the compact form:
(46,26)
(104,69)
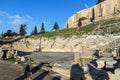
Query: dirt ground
(10,71)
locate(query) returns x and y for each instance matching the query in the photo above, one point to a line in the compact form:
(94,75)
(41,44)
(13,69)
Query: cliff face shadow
(77,73)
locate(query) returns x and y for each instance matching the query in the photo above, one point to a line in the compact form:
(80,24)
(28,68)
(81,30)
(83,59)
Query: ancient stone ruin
(105,67)
(7,53)
(105,10)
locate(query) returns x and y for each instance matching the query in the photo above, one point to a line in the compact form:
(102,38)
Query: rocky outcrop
(105,10)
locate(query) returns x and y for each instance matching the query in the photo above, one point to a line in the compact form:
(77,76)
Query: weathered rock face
(105,10)
(84,44)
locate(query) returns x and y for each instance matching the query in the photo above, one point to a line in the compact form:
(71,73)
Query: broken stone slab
(111,75)
(116,52)
(16,62)
(46,68)
(75,70)
(62,71)
(22,59)
(54,64)
(100,64)
(88,77)
(117,71)
(110,64)
(85,69)
(106,62)
(106,58)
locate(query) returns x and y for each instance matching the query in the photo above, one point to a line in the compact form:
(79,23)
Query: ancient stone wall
(105,10)
(85,43)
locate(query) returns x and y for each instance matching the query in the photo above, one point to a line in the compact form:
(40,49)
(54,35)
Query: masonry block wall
(105,10)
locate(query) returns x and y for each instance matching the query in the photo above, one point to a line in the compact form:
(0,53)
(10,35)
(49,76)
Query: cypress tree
(56,26)
(22,30)
(42,28)
(35,30)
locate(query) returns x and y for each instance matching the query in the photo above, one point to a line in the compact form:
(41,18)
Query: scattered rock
(22,59)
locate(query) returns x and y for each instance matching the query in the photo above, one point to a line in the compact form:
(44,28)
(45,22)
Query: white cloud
(16,20)
(29,17)
(3,13)
(15,17)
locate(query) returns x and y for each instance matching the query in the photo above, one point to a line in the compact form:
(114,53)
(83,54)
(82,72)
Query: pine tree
(9,33)
(99,1)
(22,30)
(35,30)
(42,28)
(56,26)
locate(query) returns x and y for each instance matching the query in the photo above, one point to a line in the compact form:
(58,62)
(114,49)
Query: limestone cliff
(105,10)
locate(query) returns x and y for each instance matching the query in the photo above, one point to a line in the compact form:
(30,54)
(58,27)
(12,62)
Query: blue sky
(34,12)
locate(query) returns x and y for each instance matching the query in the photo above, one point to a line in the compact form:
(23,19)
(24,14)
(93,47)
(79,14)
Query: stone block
(85,69)
(100,63)
(110,64)
(117,71)
(22,59)
(62,71)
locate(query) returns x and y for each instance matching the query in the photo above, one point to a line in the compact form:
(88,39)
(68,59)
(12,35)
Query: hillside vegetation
(111,26)
(103,27)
